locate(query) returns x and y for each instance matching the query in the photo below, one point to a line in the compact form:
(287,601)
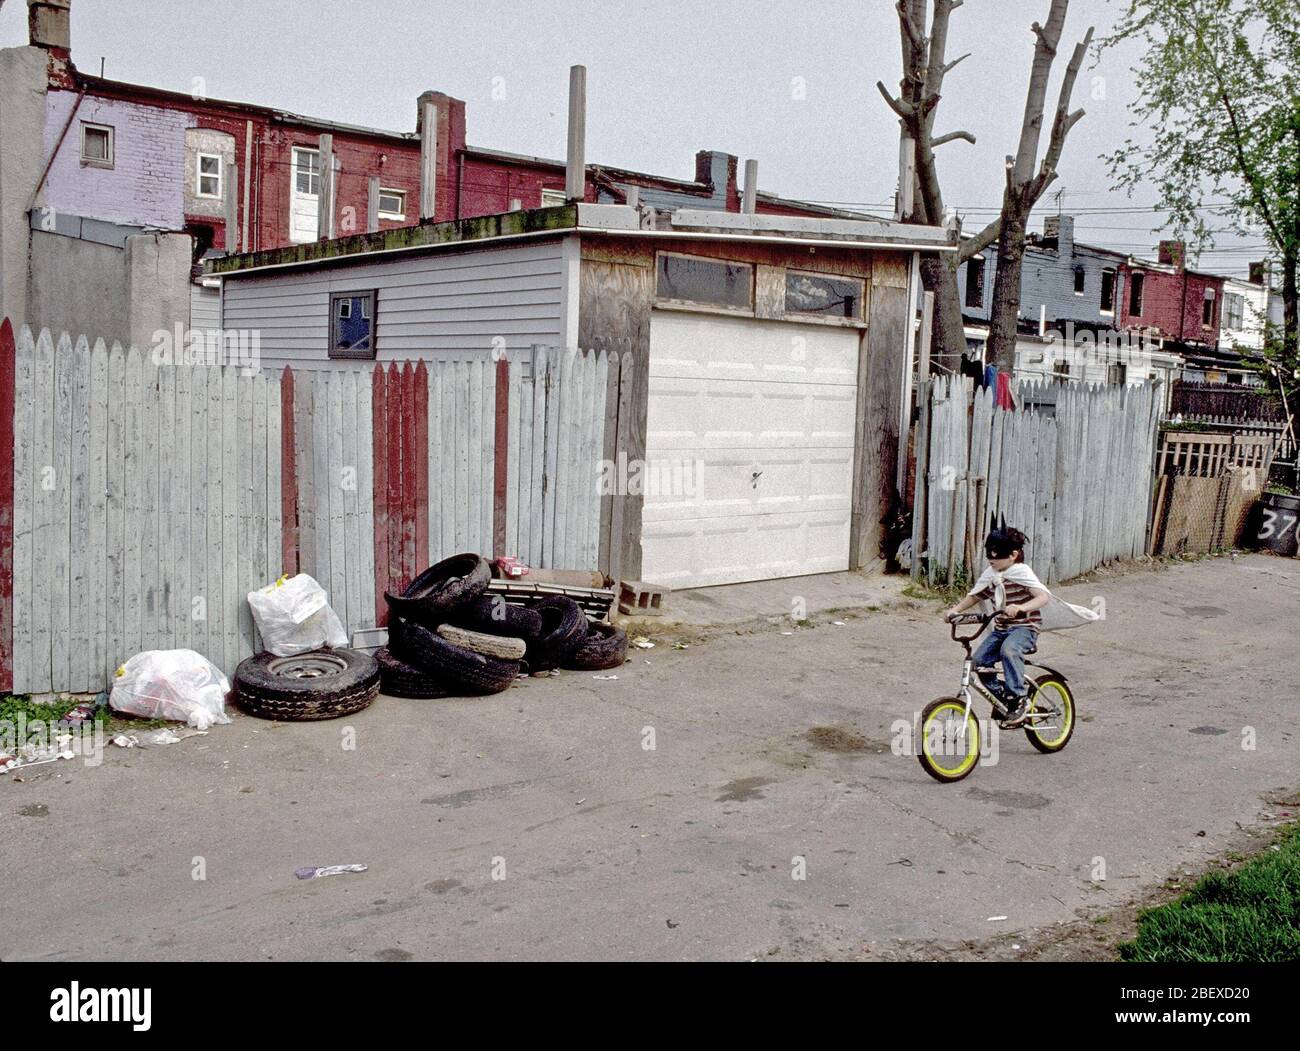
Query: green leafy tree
(1219,100)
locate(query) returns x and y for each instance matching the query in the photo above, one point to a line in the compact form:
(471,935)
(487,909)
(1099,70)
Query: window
(1135,282)
(553,198)
(1079,279)
(1061,368)
(1207,309)
(823,295)
(209,175)
(392,204)
(97,145)
(975,282)
(711,281)
(1117,373)
(1234,310)
(306,171)
(1108,291)
(352,328)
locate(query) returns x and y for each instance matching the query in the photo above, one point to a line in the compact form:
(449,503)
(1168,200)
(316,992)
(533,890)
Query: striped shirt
(1018,591)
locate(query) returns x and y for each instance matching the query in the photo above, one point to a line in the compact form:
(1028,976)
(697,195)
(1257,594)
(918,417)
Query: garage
(749,449)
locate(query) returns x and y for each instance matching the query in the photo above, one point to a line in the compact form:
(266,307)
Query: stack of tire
(449,637)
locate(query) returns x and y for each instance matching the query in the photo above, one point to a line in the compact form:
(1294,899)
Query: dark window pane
(819,294)
(352,325)
(705,281)
(975,283)
(1108,290)
(1079,279)
(1136,281)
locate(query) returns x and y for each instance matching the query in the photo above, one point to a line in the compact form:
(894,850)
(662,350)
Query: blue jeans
(1012,645)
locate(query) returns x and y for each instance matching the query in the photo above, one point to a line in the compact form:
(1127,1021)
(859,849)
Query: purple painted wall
(145,186)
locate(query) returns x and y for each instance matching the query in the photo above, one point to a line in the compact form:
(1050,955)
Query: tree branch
(904,110)
(973,246)
(941,139)
(948,68)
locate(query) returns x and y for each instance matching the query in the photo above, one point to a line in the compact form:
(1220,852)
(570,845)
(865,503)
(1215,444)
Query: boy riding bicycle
(1015,629)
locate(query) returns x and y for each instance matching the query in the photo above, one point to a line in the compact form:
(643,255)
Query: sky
(792,85)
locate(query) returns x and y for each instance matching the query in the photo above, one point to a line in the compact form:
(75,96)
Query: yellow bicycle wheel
(950,740)
(1051,714)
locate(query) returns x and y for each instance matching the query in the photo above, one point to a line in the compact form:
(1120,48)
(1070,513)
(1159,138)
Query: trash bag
(171,684)
(294,616)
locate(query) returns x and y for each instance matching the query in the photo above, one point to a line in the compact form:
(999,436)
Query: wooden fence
(1206,485)
(1077,484)
(1279,431)
(147,500)
(1225,399)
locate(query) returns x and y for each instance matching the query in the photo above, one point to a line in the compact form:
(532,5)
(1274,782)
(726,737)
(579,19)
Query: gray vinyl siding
(1047,279)
(205,307)
(431,306)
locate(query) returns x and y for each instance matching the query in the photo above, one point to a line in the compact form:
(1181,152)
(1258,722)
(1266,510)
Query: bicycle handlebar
(981,619)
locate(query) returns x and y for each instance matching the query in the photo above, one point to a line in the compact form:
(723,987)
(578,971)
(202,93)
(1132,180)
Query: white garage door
(749,449)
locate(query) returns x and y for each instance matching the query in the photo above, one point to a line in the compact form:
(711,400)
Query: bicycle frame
(972,684)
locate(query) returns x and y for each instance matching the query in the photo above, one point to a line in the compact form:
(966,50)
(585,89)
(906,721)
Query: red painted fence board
(8,377)
(379,435)
(421,416)
(393,439)
(407,422)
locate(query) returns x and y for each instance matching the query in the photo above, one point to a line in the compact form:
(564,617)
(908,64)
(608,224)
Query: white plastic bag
(294,616)
(171,684)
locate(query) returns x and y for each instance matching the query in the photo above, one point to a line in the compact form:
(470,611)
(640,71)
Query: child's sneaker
(1019,712)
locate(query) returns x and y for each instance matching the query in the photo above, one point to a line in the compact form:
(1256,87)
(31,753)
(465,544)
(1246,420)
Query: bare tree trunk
(1024,186)
(924,67)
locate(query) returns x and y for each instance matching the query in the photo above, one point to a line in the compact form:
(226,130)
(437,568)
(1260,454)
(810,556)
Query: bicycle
(949,748)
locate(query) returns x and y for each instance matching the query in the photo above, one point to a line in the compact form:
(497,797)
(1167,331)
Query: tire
(604,647)
(440,589)
(493,615)
(929,757)
(322,684)
(1053,690)
(463,670)
(500,646)
(564,626)
(399,679)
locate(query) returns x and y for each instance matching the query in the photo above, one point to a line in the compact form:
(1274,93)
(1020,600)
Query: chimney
(575,167)
(49,24)
(1058,233)
(718,170)
(439,149)
(1173,253)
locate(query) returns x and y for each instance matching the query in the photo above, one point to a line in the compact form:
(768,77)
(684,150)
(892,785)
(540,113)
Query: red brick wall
(1172,302)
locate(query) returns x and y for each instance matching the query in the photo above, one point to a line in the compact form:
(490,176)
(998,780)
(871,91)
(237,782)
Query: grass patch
(11,708)
(1248,915)
(948,594)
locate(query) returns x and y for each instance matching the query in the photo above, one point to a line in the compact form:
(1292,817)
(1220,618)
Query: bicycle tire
(1056,744)
(970,759)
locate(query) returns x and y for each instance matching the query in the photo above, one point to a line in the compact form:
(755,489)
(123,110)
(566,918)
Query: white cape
(1057,614)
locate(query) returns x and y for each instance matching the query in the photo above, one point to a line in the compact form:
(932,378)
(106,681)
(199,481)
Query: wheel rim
(945,746)
(308,666)
(1052,700)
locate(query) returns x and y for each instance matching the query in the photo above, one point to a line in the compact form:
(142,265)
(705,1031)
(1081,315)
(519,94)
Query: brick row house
(115,192)
(1078,299)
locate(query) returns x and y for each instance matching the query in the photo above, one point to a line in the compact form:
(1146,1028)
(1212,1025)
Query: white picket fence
(1077,484)
(148,502)
(146,506)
